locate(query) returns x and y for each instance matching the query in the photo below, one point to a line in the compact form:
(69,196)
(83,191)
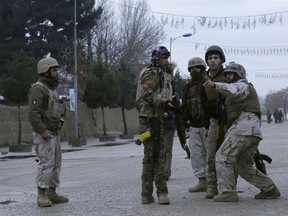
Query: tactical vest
(211,93)
(55,111)
(249,104)
(159,90)
(213,97)
(192,105)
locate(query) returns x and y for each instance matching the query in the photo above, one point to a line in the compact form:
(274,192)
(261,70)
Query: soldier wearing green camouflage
(169,119)
(214,57)
(46,115)
(152,101)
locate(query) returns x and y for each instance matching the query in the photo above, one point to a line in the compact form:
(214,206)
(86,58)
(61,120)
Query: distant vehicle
(64,97)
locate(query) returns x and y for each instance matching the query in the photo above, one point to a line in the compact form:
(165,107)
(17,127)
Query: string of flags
(223,22)
(271,76)
(248,22)
(242,50)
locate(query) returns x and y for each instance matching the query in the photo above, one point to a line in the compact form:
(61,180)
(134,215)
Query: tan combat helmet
(45,64)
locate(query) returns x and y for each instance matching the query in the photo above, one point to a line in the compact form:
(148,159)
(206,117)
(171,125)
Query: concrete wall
(90,123)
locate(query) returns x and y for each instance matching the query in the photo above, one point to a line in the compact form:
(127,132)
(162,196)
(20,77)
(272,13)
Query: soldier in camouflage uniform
(194,116)
(152,98)
(210,99)
(46,115)
(236,154)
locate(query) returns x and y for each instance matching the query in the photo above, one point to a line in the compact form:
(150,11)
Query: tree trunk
(93,117)
(124,120)
(104,125)
(19,125)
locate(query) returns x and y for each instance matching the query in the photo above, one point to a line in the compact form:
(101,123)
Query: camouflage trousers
(211,144)
(236,157)
(153,162)
(168,143)
(49,156)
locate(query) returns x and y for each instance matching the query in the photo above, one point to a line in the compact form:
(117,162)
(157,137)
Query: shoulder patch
(148,84)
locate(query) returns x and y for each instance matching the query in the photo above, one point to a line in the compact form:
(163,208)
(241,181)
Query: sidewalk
(90,142)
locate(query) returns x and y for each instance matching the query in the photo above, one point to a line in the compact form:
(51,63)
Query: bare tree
(105,39)
(277,100)
(140,33)
(128,35)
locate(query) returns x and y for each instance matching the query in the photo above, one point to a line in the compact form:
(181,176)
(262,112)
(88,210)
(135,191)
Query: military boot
(54,197)
(274,193)
(211,192)
(226,197)
(147,199)
(42,199)
(201,186)
(163,199)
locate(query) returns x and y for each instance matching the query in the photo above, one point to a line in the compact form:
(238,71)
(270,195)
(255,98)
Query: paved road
(105,181)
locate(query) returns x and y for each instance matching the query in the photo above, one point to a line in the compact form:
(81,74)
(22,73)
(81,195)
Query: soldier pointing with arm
(236,154)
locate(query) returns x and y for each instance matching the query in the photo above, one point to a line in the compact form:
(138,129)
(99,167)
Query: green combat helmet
(160,52)
(236,68)
(217,49)
(196,61)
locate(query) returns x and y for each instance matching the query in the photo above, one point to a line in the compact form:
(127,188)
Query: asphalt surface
(103,179)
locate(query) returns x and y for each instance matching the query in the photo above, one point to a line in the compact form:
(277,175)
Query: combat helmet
(196,61)
(215,48)
(236,68)
(45,64)
(160,52)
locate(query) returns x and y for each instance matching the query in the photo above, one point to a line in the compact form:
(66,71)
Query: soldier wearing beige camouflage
(236,154)
(46,115)
(152,101)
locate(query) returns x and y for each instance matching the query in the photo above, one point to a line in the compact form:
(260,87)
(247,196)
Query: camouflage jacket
(41,114)
(243,94)
(153,92)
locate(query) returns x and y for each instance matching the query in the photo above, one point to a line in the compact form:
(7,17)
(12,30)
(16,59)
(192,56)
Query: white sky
(262,36)
(276,35)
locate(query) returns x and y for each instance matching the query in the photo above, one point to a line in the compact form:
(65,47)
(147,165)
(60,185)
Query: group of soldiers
(277,115)
(216,102)
(220,108)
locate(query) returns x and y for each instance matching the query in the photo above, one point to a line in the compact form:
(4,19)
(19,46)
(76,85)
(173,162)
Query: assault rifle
(259,161)
(220,135)
(222,121)
(180,123)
